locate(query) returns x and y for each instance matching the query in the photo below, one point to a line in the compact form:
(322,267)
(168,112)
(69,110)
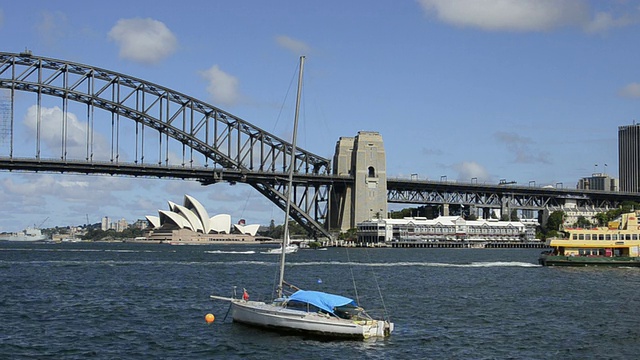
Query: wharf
(470,245)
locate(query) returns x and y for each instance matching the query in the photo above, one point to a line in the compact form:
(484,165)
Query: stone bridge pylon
(363,158)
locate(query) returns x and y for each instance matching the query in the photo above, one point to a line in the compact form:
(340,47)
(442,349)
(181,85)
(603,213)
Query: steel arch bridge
(215,145)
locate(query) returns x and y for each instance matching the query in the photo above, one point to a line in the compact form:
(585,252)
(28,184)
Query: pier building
(445,229)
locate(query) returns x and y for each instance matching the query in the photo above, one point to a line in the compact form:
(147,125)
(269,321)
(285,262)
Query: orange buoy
(209,318)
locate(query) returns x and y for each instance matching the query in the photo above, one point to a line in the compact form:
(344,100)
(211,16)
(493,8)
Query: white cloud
(631,90)
(521,15)
(604,21)
(522,148)
(52,27)
(51,131)
(296,46)
(143,40)
(222,87)
(470,169)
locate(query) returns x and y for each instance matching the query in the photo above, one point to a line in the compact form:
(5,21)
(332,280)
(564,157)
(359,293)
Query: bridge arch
(231,149)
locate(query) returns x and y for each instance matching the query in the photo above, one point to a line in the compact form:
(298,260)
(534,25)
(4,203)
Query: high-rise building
(105,223)
(121,225)
(629,157)
(598,181)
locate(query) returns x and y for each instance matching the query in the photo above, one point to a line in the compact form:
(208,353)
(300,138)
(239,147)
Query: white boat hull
(289,249)
(279,318)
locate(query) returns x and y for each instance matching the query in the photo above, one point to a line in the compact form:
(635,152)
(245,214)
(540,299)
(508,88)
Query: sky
(521,90)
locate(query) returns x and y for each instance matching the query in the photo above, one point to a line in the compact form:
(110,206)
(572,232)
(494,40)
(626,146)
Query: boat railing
(371,314)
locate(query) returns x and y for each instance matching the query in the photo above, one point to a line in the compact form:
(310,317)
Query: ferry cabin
(619,240)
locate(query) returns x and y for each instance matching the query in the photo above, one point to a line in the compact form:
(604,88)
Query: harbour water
(138,301)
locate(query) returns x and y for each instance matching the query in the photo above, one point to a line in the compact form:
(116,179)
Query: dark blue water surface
(138,301)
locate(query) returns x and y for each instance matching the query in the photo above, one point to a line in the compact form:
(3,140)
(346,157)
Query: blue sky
(529,90)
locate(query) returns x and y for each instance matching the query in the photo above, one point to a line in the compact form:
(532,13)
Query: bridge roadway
(405,191)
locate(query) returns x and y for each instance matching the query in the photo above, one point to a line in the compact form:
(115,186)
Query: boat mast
(292,165)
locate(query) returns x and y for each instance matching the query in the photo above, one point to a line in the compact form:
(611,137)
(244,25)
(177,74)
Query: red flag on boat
(245,295)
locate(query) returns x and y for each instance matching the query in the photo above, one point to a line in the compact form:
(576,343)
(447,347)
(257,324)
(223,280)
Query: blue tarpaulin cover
(322,300)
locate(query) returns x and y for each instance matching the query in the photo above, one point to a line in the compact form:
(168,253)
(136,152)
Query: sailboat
(312,313)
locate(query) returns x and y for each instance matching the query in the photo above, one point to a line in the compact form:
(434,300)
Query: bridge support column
(363,158)
(505,207)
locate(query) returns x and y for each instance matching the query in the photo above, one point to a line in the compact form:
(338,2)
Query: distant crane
(87,219)
(42,223)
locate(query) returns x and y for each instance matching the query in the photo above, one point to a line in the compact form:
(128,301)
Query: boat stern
(378,329)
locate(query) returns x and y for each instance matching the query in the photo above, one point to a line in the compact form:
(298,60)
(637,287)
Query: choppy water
(133,301)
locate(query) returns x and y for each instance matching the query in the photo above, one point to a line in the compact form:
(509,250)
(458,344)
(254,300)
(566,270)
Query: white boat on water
(288,249)
(28,234)
(311,313)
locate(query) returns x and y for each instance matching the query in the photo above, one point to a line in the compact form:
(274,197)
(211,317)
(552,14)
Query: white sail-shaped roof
(194,216)
(172,206)
(248,229)
(191,217)
(221,223)
(154,221)
(175,218)
(194,205)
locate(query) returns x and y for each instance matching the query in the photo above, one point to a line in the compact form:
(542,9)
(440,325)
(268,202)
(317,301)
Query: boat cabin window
(607,237)
(614,237)
(600,236)
(627,236)
(574,236)
(634,236)
(580,236)
(347,311)
(587,236)
(297,305)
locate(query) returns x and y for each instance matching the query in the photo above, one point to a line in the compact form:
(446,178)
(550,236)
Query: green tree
(555,221)
(583,222)
(602,218)
(349,235)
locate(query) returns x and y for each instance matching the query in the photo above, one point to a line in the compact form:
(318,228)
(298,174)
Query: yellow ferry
(613,245)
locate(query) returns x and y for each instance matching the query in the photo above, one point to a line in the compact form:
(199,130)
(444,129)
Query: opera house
(190,224)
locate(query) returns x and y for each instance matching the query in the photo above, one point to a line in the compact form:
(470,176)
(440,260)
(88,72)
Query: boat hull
(27,235)
(23,238)
(277,318)
(589,261)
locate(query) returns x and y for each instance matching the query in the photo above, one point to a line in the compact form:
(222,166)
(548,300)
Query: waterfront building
(598,181)
(629,157)
(573,212)
(444,229)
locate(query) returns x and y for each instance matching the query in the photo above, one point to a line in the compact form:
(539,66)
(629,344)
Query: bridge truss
(505,198)
(153,131)
(132,127)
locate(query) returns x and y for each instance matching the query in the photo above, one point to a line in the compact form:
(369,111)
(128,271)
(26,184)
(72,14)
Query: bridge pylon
(363,158)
